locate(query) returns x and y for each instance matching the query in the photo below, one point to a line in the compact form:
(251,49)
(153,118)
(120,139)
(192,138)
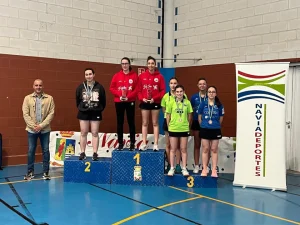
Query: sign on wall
(260,158)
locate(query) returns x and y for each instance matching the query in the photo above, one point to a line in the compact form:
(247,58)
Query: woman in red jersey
(151,89)
(124,88)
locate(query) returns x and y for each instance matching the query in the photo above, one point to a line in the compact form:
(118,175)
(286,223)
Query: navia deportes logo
(276,89)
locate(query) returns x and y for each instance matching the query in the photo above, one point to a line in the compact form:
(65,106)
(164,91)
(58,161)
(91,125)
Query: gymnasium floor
(55,202)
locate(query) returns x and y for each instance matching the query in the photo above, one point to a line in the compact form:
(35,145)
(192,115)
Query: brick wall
(61,78)
(228,31)
(88,30)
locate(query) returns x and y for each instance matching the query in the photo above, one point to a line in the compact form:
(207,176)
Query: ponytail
(217,101)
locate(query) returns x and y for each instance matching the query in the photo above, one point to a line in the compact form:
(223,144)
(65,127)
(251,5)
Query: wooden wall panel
(221,76)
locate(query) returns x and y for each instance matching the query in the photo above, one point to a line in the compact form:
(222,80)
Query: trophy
(124,93)
(149,94)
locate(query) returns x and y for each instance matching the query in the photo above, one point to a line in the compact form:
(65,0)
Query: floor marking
(150,206)
(20,200)
(238,206)
(151,210)
(26,181)
(20,214)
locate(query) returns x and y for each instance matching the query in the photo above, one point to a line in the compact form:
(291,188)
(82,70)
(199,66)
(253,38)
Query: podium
(87,171)
(138,167)
(191,181)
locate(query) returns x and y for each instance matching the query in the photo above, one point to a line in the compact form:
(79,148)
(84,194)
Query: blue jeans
(32,143)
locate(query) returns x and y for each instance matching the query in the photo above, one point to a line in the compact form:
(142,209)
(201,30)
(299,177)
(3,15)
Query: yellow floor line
(238,206)
(151,210)
(23,181)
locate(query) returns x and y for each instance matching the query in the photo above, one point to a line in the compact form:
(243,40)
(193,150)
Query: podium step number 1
(137,174)
(138,168)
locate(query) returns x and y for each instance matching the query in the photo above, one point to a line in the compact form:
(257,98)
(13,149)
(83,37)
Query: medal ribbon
(200,99)
(210,112)
(88,89)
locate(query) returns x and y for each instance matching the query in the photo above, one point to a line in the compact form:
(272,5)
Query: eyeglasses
(211,92)
(124,64)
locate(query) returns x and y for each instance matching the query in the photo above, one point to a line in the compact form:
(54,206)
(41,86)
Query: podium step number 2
(87,171)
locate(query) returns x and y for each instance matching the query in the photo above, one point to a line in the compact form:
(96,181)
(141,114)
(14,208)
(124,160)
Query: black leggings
(130,113)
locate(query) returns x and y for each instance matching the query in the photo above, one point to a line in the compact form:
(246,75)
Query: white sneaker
(185,172)
(171,171)
(143,147)
(196,169)
(155,148)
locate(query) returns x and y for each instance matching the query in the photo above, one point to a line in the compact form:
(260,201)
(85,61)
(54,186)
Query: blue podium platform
(144,168)
(87,171)
(191,181)
(141,168)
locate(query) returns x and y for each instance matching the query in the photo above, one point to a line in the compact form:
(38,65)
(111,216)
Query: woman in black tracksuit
(90,101)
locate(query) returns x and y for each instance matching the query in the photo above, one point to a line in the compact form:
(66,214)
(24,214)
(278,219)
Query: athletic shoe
(46,176)
(132,147)
(143,147)
(171,172)
(196,169)
(29,175)
(185,172)
(95,156)
(120,147)
(82,156)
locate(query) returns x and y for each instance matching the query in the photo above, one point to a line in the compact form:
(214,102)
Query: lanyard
(200,99)
(88,89)
(210,112)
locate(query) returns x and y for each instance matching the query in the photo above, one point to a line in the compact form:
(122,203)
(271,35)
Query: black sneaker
(82,156)
(131,148)
(95,156)
(120,147)
(29,175)
(46,176)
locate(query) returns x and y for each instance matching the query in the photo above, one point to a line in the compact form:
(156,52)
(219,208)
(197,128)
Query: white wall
(89,30)
(224,31)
